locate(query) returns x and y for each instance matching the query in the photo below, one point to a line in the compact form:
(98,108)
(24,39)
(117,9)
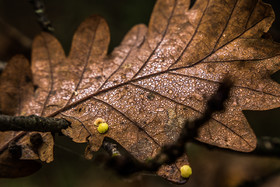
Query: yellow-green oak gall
(186,171)
(102,128)
(102,125)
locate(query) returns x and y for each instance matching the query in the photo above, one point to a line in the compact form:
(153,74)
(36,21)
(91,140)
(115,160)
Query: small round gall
(186,171)
(102,128)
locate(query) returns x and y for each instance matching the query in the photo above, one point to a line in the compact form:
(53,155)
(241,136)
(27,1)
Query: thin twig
(32,123)
(15,34)
(39,8)
(125,165)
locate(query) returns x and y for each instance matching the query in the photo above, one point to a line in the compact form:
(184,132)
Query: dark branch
(15,35)
(125,165)
(111,148)
(39,8)
(190,130)
(32,123)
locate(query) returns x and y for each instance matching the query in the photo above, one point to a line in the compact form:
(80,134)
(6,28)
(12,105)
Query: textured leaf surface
(16,90)
(15,85)
(160,76)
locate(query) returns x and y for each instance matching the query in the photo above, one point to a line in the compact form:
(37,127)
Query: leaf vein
(86,63)
(172,100)
(51,76)
(226,25)
(124,60)
(217,82)
(188,44)
(159,43)
(126,117)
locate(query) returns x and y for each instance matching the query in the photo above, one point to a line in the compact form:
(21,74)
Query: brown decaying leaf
(16,89)
(159,77)
(15,85)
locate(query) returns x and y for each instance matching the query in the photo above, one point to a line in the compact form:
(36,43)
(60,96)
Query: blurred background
(18,26)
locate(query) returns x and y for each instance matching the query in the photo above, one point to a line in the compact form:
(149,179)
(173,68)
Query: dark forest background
(210,167)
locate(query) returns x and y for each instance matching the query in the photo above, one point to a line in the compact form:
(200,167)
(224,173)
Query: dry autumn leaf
(15,85)
(158,78)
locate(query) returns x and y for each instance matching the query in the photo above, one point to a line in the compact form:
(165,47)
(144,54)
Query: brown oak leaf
(159,77)
(16,86)
(17,89)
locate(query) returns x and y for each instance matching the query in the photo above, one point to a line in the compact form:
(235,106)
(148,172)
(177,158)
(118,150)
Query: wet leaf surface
(159,77)
(15,85)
